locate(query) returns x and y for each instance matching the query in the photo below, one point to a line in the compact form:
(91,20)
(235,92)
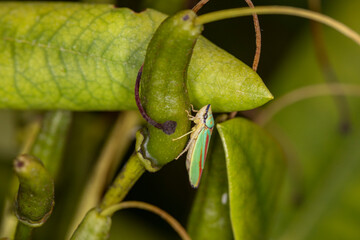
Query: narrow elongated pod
(163,88)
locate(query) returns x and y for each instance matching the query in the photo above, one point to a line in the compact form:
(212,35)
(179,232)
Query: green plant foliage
(255,167)
(210,216)
(86,137)
(86,57)
(321,198)
(35,197)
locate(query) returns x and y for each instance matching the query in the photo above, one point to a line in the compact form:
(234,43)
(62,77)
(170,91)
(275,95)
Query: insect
(198,144)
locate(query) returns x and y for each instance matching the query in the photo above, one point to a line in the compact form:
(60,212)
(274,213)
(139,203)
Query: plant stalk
(124,181)
(23,232)
(282,10)
(317,90)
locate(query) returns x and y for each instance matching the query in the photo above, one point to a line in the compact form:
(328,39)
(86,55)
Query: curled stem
(258,37)
(283,10)
(305,93)
(151,208)
(167,127)
(257,43)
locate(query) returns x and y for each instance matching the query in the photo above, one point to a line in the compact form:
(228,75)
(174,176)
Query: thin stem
(124,181)
(199,5)
(326,67)
(257,43)
(167,127)
(50,142)
(232,115)
(138,101)
(32,132)
(23,232)
(283,10)
(258,37)
(151,208)
(305,93)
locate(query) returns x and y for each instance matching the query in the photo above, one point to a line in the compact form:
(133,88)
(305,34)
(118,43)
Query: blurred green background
(322,187)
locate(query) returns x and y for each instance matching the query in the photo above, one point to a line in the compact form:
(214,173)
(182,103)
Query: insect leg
(191,117)
(186,148)
(193,109)
(192,130)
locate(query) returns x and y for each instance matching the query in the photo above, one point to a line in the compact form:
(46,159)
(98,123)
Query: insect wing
(198,157)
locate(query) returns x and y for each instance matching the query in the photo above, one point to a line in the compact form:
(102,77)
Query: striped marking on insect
(198,144)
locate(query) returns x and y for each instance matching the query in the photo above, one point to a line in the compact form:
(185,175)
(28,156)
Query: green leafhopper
(198,144)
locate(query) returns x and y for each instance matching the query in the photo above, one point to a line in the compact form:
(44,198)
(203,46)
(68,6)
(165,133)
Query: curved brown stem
(199,5)
(258,37)
(167,127)
(151,208)
(257,42)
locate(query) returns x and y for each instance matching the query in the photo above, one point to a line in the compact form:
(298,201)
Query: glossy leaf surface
(255,167)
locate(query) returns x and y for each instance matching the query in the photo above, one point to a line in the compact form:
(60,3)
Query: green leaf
(210,216)
(86,57)
(255,167)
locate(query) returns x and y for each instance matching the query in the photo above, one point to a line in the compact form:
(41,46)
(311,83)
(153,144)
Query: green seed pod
(35,198)
(163,88)
(93,227)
